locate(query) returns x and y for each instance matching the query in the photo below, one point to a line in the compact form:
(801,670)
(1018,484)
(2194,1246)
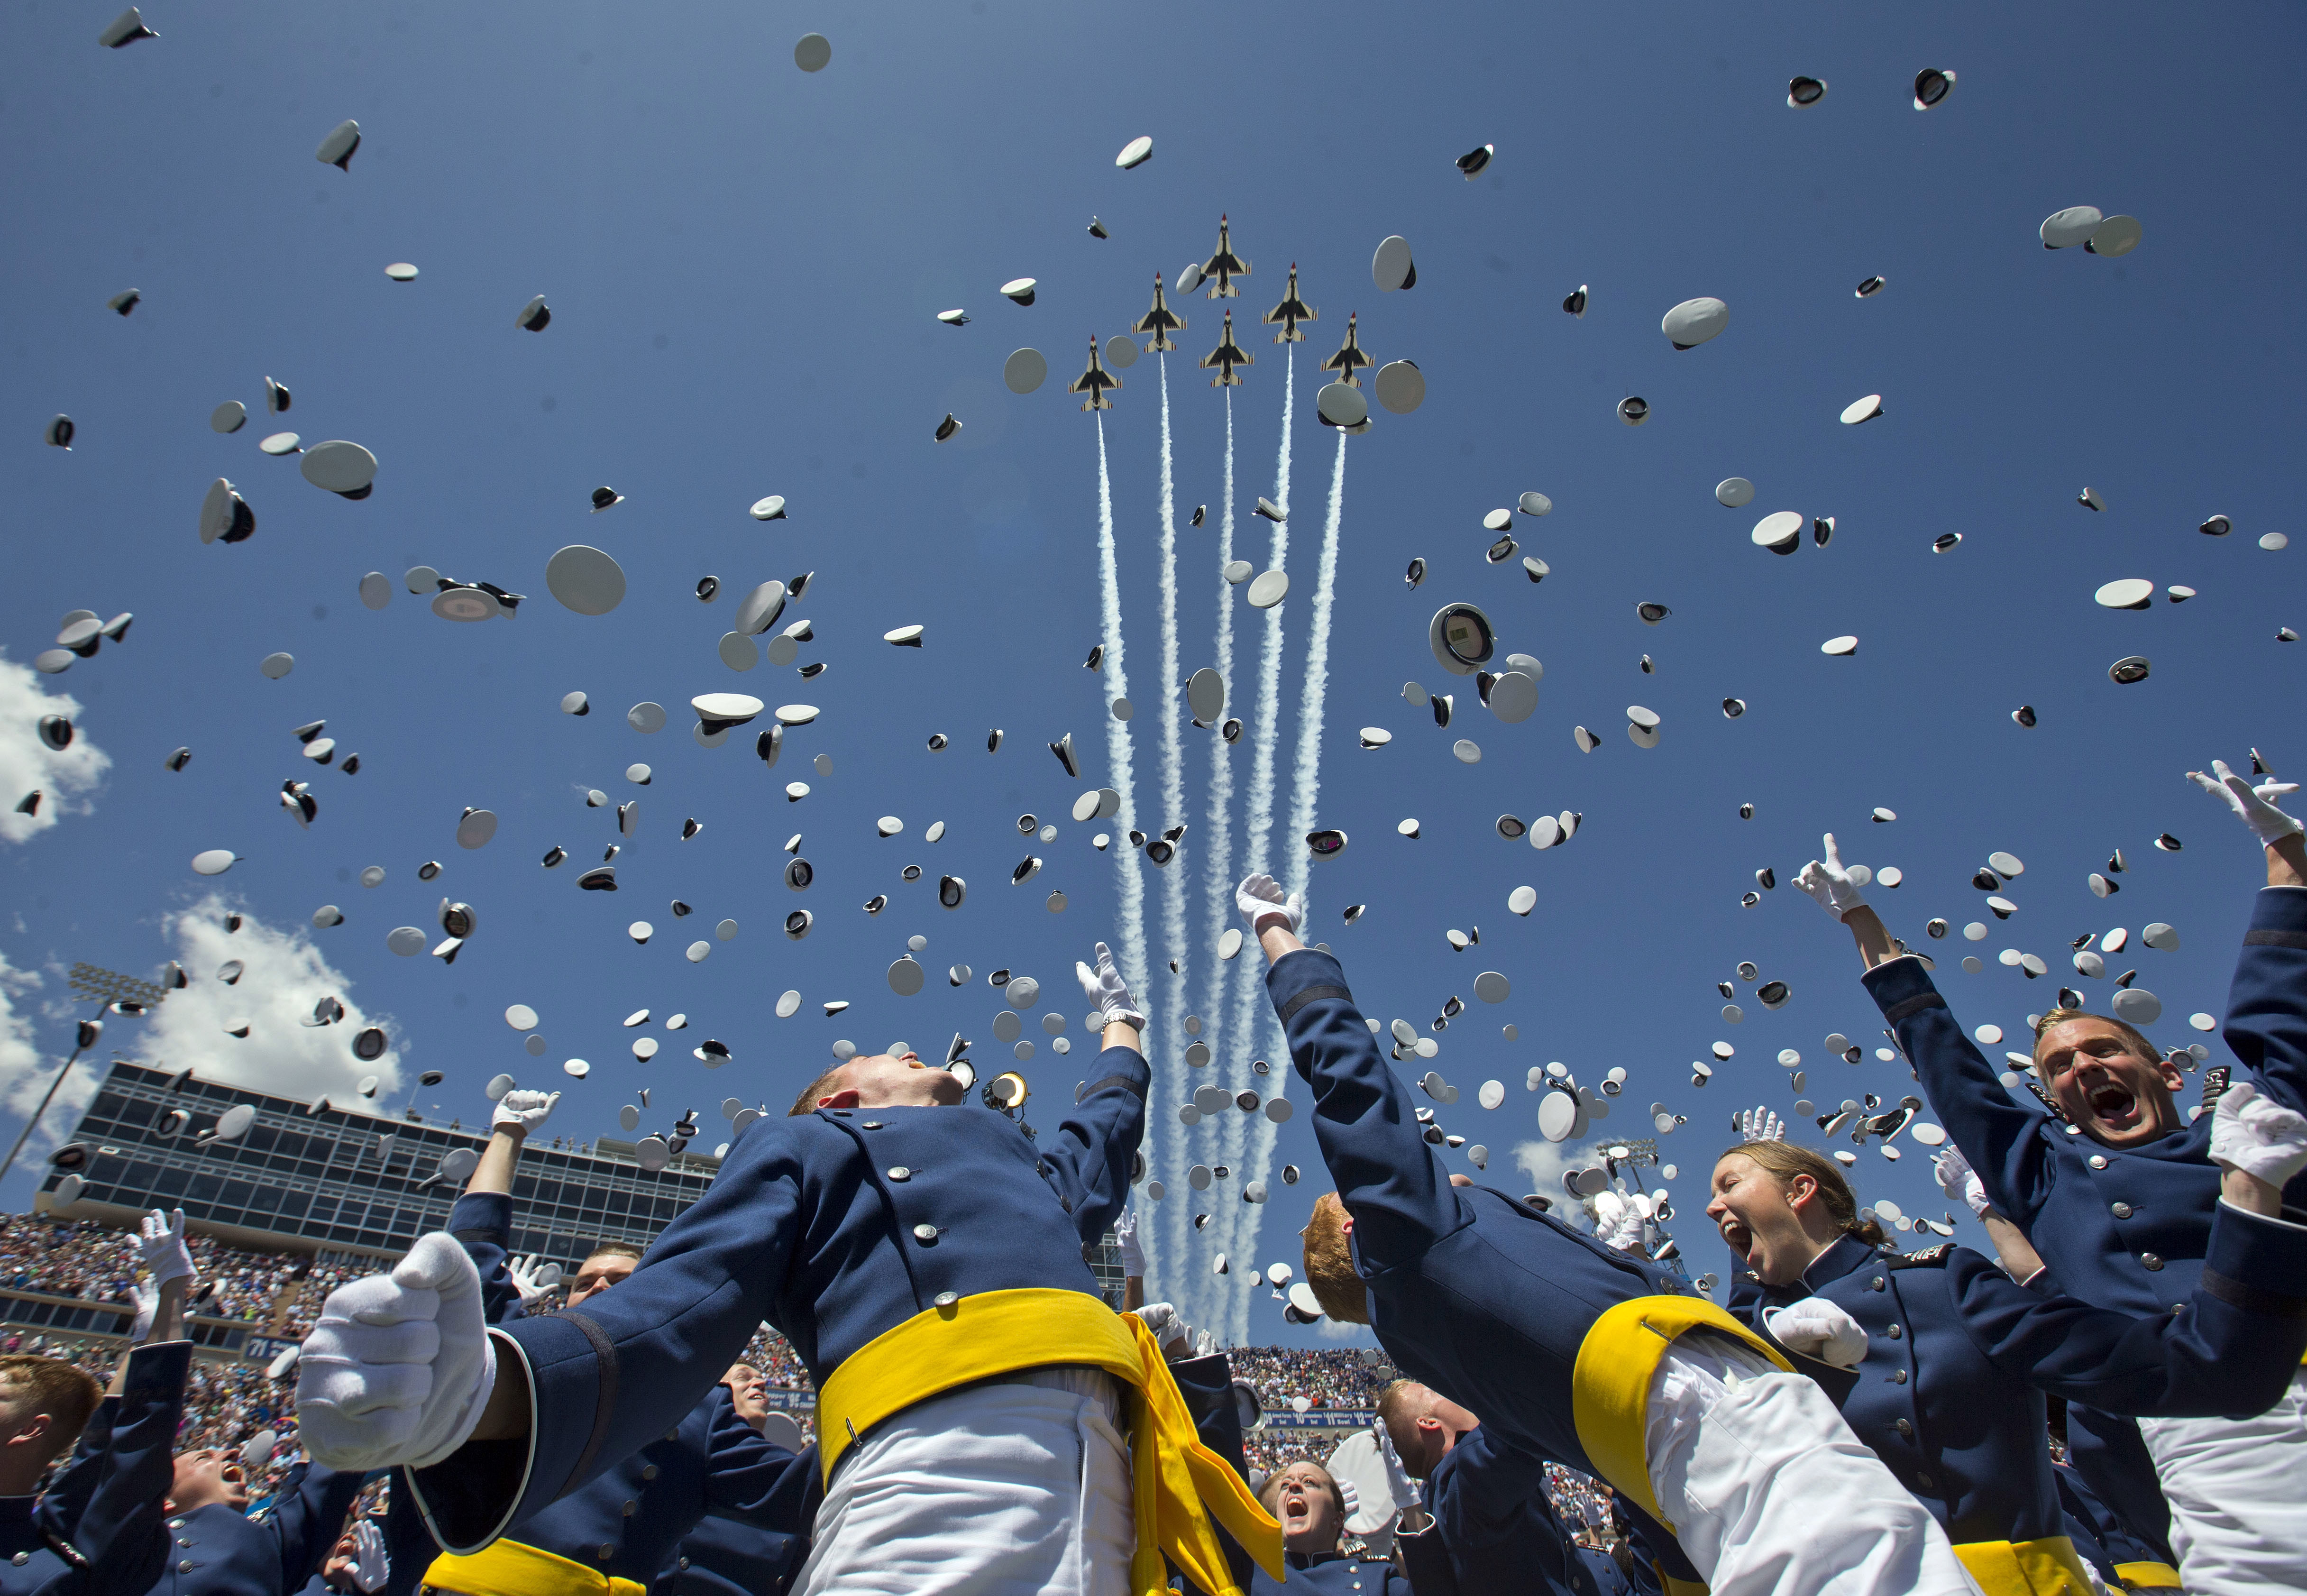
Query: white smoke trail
(1249,997)
(1119,753)
(1306,786)
(1169,1012)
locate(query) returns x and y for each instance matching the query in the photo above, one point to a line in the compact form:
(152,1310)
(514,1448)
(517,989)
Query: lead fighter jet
(1291,311)
(1227,355)
(1161,321)
(1349,356)
(1224,266)
(1094,382)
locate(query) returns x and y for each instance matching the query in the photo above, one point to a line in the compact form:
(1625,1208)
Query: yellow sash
(1610,1384)
(2148,1576)
(1179,1484)
(509,1568)
(2045,1567)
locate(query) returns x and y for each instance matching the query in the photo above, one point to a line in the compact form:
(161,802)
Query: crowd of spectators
(281,1292)
(1325,1378)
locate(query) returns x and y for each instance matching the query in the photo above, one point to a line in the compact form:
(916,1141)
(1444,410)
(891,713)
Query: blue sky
(743,263)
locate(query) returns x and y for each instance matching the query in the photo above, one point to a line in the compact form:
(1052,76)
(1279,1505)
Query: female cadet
(1951,1355)
(1600,1361)
(2117,1192)
(1312,1512)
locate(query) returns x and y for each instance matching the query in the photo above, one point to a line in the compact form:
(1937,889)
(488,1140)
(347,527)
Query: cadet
(1573,1352)
(97,1531)
(1312,1511)
(2118,1190)
(625,1523)
(722,1556)
(924,1257)
(1952,1357)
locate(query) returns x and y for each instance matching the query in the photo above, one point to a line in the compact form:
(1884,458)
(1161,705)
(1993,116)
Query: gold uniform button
(648,1470)
(2150,1261)
(631,1508)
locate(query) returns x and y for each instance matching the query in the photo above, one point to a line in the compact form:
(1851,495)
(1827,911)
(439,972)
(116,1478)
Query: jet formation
(1227,355)
(1291,311)
(1161,321)
(1094,382)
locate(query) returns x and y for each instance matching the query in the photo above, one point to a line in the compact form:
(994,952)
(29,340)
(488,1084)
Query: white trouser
(1771,1494)
(1019,1487)
(2238,1494)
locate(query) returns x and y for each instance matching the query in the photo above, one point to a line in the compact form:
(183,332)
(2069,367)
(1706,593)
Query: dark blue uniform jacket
(2119,1229)
(97,1531)
(1498,1530)
(628,1520)
(1472,1292)
(834,1227)
(1951,1392)
(217,1551)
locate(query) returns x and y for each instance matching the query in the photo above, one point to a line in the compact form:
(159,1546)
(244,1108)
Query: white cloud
(1338,1330)
(29,764)
(22,1074)
(285,975)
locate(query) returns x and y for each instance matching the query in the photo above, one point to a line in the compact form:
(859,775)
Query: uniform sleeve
(2231,1349)
(2002,1139)
(601,1377)
(754,1480)
(2266,1002)
(62,1503)
(482,1222)
(1489,1502)
(306,1522)
(1363,1116)
(1088,1157)
(121,1540)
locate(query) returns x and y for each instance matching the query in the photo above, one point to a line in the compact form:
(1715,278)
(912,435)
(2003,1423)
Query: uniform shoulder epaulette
(1927,1258)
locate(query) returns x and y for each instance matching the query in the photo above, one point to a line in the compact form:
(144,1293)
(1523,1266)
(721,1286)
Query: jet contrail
(1306,787)
(1120,755)
(1169,1016)
(1258,825)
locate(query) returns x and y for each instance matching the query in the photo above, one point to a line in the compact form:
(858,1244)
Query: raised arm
(307,1517)
(2266,1002)
(482,1219)
(116,1526)
(2003,1139)
(755,1482)
(1089,1158)
(2231,1349)
(1363,1116)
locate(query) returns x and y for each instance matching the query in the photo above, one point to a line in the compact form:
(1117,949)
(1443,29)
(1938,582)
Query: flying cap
(813,52)
(1804,92)
(1391,268)
(1400,386)
(1695,321)
(340,466)
(585,579)
(337,149)
(1135,153)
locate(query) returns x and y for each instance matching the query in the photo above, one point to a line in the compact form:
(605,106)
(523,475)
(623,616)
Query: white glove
(522,1110)
(1398,1482)
(160,1247)
(1959,1180)
(147,1298)
(2256,805)
(1178,1340)
(371,1566)
(1829,883)
(522,1272)
(1108,993)
(2253,1133)
(1125,1238)
(399,1366)
(1260,898)
(1820,1329)
(1761,1125)
(1618,1223)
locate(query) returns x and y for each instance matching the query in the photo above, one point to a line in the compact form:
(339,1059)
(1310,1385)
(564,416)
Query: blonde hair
(1330,1264)
(1400,1414)
(66,1395)
(1783,1161)
(824,1086)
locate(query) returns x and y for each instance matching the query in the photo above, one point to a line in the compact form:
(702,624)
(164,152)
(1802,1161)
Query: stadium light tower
(107,989)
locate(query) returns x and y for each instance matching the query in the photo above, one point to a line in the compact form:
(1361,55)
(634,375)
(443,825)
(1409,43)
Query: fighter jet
(1227,355)
(1161,321)
(1094,382)
(1349,356)
(1291,311)
(1224,267)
